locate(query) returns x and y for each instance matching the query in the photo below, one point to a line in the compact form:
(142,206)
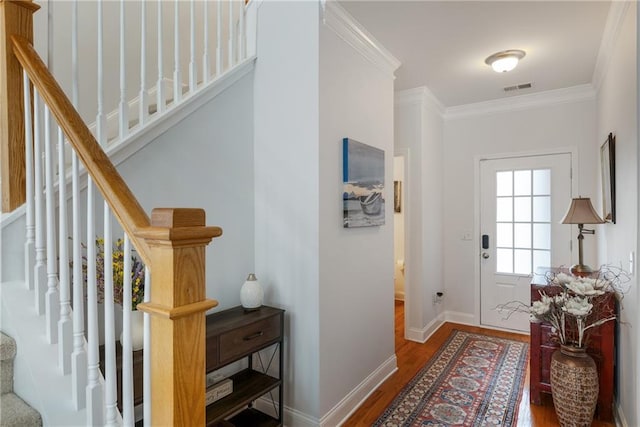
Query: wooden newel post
(16,18)
(177,240)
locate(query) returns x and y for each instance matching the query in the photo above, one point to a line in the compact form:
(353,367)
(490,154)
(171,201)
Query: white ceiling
(443,44)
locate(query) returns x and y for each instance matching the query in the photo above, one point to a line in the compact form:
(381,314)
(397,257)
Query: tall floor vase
(574,386)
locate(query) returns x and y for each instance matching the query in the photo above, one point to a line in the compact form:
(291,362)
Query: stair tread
(16,412)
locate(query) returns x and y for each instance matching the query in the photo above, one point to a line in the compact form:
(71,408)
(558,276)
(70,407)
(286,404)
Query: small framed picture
(397,196)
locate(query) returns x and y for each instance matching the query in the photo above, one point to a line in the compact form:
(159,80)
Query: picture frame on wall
(397,196)
(363,185)
(608,170)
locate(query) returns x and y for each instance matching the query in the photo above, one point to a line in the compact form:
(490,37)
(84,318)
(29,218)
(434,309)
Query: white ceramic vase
(251,293)
(137,331)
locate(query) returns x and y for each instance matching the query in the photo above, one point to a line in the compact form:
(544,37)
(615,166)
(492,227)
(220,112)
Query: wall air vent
(518,87)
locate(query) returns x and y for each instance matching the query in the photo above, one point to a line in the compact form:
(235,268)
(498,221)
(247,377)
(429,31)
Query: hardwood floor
(412,356)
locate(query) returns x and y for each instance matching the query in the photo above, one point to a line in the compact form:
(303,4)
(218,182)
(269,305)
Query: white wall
(467,138)
(419,132)
(356,264)
(206,162)
(286,117)
(617,112)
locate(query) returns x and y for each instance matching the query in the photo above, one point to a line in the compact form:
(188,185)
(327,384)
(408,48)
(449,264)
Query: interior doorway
(399,217)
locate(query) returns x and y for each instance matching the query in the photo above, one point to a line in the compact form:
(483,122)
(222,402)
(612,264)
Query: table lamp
(581,212)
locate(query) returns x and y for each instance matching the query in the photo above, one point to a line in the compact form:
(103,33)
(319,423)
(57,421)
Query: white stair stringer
(37,377)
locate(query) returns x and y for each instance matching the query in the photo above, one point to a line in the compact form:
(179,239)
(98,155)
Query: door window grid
(523,220)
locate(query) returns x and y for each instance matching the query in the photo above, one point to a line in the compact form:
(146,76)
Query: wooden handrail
(115,191)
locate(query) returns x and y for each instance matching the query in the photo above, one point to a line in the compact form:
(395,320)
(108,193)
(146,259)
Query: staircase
(13,410)
(54,180)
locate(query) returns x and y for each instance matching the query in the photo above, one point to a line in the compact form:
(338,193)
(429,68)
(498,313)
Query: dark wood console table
(601,346)
(232,335)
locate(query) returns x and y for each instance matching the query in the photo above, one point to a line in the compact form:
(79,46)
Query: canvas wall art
(363,184)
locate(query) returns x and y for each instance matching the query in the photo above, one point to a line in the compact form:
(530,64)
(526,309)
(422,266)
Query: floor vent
(518,87)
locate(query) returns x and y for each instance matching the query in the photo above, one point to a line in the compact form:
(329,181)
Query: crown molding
(354,34)
(617,13)
(524,102)
(422,96)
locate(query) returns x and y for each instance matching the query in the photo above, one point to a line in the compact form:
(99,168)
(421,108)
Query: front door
(522,201)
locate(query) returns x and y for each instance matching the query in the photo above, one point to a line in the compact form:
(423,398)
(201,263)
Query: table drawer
(241,341)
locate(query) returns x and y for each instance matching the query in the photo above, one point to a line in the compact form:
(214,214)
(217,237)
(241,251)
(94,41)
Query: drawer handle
(253,336)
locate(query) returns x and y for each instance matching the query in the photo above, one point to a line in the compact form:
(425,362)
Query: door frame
(406,185)
(575,169)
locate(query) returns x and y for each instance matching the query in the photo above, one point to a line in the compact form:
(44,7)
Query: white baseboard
(292,417)
(457,317)
(422,335)
(339,413)
(618,415)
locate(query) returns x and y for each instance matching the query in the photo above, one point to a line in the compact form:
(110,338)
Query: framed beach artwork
(363,184)
(608,168)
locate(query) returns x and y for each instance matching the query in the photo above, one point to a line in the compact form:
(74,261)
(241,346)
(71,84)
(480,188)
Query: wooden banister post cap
(178,227)
(177,217)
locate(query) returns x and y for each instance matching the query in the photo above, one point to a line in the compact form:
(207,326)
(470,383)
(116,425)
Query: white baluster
(128,417)
(65,326)
(160,93)
(230,39)
(101,123)
(29,244)
(177,78)
(143,97)
(146,356)
(111,397)
(193,70)
(74,54)
(39,269)
(52,301)
(250,27)
(219,39)
(241,32)
(79,355)
(205,56)
(124,106)
(95,388)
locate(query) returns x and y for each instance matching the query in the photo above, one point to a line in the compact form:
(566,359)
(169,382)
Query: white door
(522,201)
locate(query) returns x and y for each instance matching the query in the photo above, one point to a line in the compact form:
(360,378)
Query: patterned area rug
(473,380)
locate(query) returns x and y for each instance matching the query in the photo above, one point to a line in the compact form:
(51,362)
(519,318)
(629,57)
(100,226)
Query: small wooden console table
(232,335)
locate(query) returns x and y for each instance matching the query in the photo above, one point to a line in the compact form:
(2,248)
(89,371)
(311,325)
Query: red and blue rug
(473,380)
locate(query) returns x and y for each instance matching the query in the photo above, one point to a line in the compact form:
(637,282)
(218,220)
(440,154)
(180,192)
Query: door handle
(485,255)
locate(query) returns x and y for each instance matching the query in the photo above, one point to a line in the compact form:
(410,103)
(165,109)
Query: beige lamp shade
(581,211)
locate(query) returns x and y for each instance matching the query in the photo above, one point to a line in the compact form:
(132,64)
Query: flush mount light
(504,61)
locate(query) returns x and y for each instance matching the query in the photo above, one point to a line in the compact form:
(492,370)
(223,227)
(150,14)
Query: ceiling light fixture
(504,61)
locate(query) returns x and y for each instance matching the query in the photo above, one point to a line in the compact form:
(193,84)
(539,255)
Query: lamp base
(581,270)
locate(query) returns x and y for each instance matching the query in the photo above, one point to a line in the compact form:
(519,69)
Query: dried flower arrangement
(117,264)
(570,300)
